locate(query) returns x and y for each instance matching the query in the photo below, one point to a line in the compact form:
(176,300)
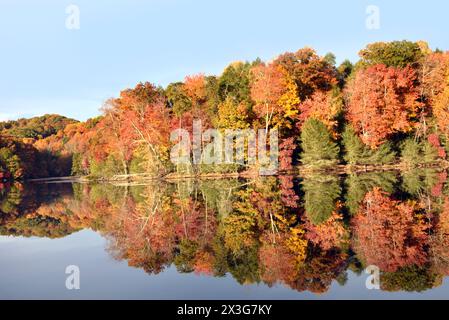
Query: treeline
(391,106)
(20,158)
(36,127)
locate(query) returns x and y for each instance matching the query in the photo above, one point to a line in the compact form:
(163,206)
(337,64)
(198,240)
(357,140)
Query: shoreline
(298,170)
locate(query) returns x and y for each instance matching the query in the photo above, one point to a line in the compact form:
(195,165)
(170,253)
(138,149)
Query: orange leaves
(195,88)
(382,101)
(440,91)
(323,106)
(309,71)
(137,98)
(441,112)
(268,86)
(439,245)
(138,119)
(434,75)
(204,263)
(278,263)
(389,234)
(279,87)
(329,234)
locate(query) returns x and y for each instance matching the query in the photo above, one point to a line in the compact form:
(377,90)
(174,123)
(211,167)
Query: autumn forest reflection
(300,232)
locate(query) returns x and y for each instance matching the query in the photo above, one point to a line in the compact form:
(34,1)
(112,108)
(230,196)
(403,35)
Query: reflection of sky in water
(35,268)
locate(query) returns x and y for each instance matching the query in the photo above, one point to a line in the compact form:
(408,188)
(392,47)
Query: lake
(288,237)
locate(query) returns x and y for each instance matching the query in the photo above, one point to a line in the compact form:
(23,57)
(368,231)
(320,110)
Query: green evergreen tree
(318,147)
(418,181)
(414,152)
(411,152)
(358,185)
(356,152)
(320,196)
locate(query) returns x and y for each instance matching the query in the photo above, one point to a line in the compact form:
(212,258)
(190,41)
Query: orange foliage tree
(267,87)
(389,234)
(382,101)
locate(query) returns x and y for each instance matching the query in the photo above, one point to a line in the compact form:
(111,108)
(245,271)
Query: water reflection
(301,232)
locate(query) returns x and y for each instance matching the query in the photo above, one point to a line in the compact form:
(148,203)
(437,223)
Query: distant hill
(35,128)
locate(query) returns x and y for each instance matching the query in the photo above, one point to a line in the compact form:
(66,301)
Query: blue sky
(46,68)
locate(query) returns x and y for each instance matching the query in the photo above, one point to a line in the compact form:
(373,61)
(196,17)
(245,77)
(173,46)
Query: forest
(389,108)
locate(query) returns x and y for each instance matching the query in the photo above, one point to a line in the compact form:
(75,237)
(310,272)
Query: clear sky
(47,68)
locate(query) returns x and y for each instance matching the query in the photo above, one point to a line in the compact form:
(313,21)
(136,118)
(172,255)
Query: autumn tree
(147,123)
(177,99)
(433,76)
(137,119)
(323,106)
(110,142)
(389,234)
(330,234)
(231,115)
(437,89)
(267,87)
(277,261)
(441,111)
(439,244)
(382,101)
(309,71)
(195,88)
(400,54)
(234,82)
(287,149)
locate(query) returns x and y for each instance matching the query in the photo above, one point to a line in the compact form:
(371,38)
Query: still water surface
(272,238)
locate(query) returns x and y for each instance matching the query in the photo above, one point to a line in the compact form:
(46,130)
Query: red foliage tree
(434,140)
(329,234)
(389,234)
(439,244)
(382,101)
(310,72)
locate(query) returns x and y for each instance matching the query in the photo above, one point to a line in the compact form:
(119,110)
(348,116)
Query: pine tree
(317,145)
(320,197)
(356,152)
(415,152)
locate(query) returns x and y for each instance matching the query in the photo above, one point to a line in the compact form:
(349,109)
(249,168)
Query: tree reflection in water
(302,232)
